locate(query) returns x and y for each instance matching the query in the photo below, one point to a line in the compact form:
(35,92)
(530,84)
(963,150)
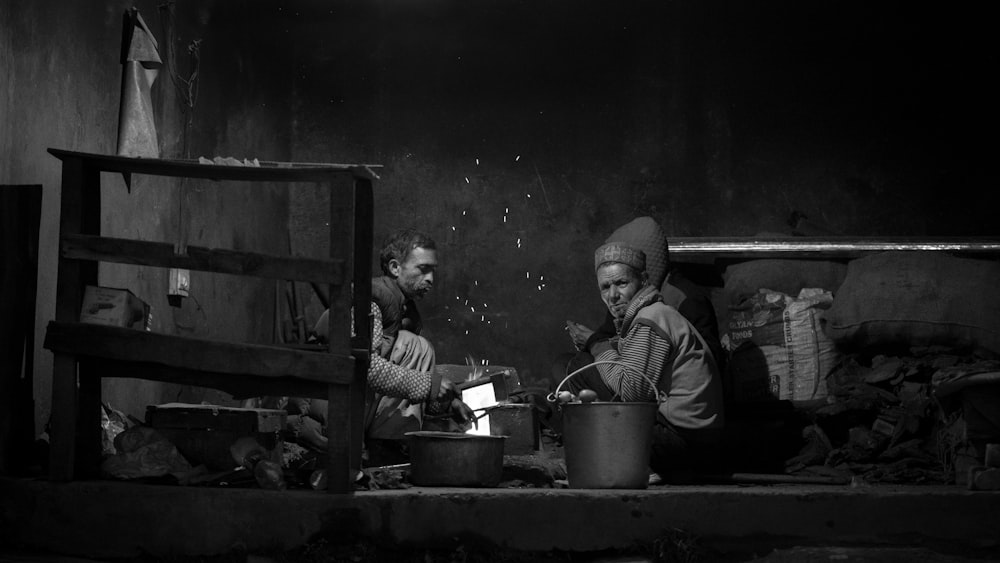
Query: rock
(984,479)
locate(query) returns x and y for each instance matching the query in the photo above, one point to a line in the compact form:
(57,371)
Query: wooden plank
(80,208)
(363,233)
(340,468)
(341,244)
(268,171)
(823,247)
(117,343)
(161,254)
(238,385)
(340,431)
(88,445)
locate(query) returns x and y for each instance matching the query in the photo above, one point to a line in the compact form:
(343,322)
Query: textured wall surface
(519,134)
(63,75)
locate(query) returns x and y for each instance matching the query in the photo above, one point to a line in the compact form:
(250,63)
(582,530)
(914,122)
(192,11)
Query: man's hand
(578,333)
(447,391)
(462,413)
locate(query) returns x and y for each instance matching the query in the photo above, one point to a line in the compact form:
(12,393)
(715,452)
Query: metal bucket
(607,443)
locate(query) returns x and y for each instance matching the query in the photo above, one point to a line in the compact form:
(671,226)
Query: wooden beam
(239,386)
(248,360)
(79,213)
(268,171)
(161,254)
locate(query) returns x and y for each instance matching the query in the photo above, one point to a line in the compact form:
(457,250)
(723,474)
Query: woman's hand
(578,333)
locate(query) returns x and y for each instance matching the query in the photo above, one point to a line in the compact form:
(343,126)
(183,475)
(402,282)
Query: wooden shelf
(197,354)
(267,172)
(86,353)
(222,261)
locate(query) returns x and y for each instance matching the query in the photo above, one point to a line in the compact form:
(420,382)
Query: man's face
(415,274)
(618,284)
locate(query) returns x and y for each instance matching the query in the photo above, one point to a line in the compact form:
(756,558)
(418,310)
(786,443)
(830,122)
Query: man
(654,339)
(676,290)
(402,381)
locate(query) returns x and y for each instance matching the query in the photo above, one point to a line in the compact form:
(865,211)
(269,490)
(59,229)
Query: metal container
(607,444)
(449,459)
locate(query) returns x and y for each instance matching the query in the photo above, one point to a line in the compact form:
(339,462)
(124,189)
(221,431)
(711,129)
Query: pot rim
(451,435)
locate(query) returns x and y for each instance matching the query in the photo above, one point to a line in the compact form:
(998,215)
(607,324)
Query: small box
(207,434)
(187,416)
(114,307)
(519,423)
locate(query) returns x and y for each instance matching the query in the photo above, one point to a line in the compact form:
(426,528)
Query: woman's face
(618,284)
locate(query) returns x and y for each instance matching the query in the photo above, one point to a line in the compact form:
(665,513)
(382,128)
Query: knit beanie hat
(645,234)
(622,254)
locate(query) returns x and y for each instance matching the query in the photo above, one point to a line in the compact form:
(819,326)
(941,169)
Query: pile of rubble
(898,419)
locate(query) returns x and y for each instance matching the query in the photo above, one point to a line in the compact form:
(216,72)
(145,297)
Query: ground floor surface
(122,521)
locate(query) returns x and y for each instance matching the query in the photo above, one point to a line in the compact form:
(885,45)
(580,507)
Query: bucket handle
(553,396)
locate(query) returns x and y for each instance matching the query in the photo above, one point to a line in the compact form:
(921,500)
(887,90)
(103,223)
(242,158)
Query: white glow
(480,397)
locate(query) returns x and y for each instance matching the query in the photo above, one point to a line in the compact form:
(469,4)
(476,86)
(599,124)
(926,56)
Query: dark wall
(498,121)
(552,123)
(60,88)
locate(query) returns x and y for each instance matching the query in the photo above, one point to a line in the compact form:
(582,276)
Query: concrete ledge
(116,519)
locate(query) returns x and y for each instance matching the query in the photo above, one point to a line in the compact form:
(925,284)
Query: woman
(655,341)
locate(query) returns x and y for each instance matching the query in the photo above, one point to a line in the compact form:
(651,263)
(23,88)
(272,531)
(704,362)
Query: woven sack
(917,299)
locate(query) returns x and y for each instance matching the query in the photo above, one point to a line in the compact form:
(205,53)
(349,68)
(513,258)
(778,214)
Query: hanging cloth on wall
(140,61)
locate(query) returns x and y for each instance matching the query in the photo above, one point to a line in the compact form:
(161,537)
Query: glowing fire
(477,368)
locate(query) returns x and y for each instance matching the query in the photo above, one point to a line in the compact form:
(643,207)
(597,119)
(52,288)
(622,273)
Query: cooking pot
(450,459)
